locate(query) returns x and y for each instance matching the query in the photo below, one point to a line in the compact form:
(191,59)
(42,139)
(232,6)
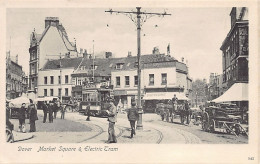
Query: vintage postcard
(128,82)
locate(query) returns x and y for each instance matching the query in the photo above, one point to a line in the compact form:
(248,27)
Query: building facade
(215,87)
(199,93)
(49,45)
(235,48)
(159,74)
(15,78)
(55,80)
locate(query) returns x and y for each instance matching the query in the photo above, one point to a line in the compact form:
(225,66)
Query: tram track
(100,131)
(160,136)
(188,137)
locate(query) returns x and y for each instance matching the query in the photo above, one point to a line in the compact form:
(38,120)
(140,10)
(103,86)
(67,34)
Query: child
(62,111)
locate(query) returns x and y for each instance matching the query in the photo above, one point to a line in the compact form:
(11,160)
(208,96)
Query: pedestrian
(174,102)
(62,111)
(29,110)
(187,112)
(112,114)
(33,117)
(132,115)
(45,111)
(88,112)
(21,117)
(55,109)
(51,112)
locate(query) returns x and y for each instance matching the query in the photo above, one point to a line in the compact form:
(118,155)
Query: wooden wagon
(224,118)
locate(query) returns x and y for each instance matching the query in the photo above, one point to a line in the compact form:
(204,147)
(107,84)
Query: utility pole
(139,20)
(93,63)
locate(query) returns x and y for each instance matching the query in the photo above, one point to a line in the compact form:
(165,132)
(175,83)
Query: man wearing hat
(112,114)
(45,109)
(132,115)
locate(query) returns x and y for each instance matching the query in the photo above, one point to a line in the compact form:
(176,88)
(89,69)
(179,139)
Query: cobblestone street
(75,129)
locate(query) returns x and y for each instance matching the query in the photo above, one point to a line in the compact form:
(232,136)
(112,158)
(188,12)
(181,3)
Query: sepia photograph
(100,78)
(76,80)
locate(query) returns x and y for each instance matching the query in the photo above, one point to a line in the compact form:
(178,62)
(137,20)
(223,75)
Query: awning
(45,98)
(120,92)
(164,96)
(237,92)
(17,102)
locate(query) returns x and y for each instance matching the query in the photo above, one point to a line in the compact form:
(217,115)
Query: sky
(195,34)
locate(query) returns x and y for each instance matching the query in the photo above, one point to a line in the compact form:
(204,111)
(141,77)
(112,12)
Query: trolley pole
(138,24)
(140,111)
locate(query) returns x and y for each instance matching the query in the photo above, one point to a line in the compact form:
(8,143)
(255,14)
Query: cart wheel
(162,116)
(9,136)
(182,119)
(212,126)
(228,131)
(205,122)
(237,129)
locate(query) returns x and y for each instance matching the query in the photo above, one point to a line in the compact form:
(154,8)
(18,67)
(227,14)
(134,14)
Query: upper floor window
(33,69)
(45,80)
(82,68)
(151,79)
(136,80)
(52,80)
(119,65)
(79,81)
(127,83)
(45,92)
(94,67)
(66,91)
(66,79)
(117,81)
(51,92)
(59,79)
(164,78)
(59,92)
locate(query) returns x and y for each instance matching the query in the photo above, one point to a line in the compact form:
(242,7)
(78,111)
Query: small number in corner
(250,158)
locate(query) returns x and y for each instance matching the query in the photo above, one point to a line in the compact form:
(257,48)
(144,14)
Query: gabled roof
(63,34)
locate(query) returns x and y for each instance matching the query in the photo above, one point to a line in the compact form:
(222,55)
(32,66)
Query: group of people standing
(51,108)
(32,115)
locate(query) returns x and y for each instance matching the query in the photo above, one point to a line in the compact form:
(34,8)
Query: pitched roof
(181,67)
(105,66)
(65,62)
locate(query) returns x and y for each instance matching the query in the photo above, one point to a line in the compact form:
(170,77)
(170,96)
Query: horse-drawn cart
(182,112)
(224,118)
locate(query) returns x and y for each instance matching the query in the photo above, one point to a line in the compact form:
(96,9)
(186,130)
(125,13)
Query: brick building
(235,48)
(49,45)
(15,78)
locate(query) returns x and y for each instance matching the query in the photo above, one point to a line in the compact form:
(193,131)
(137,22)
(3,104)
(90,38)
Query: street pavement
(75,129)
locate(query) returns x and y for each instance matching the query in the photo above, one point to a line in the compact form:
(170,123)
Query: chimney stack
(108,55)
(156,51)
(85,54)
(16,58)
(51,21)
(129,54)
